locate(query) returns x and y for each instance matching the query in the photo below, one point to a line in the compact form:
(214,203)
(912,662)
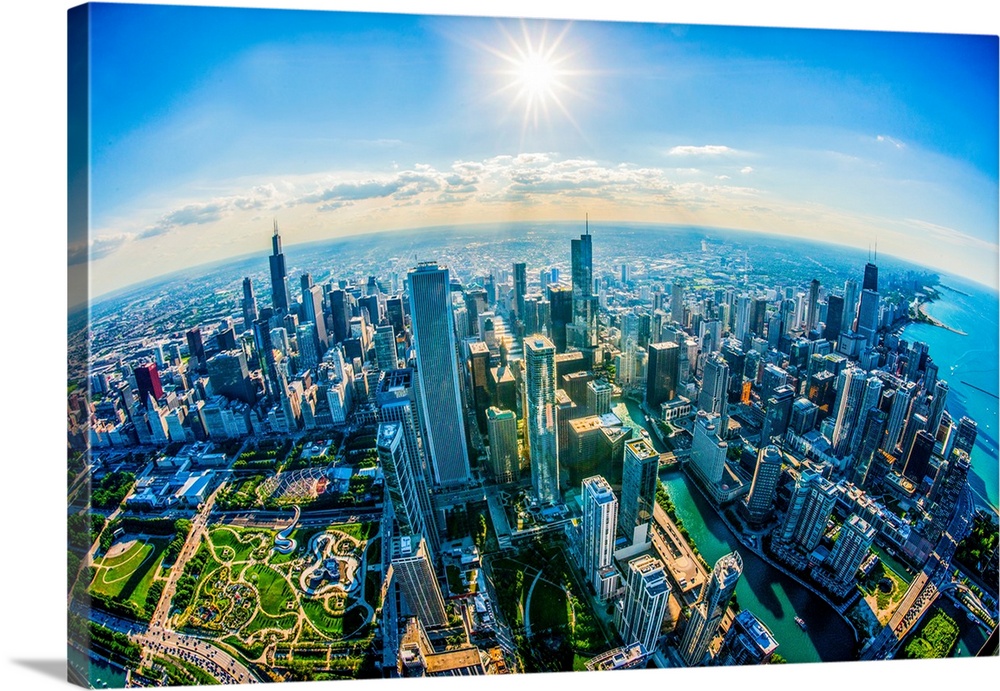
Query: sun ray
(536,72)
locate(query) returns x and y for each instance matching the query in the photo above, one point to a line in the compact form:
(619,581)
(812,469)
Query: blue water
(773,597)
(970,359)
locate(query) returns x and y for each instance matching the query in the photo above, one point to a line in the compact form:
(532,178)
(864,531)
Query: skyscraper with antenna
(281,296)
(584,327)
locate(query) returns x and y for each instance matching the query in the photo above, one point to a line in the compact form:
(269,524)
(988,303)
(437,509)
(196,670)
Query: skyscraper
(147,380)
(714,385)
(400,482)
(414,573)
(868,315)
(850,386)
(600,516)
(965,438)
(747,642)
(812,315)
(312,311)
(850,304)
(834,318)
(760,500)
(918,459)
(707,613)
(501,427)
(677,301)
(520,288)
(197,349)
(540,394)
(644,603)
(639,471)
(340,310)
(584,303)
(249,304)
(230,376)
(662,372)
(397,402)
(437,371)
(479,369)
(385,347)
(808,511)
(871,278)
(856,537)
(561,314)
(281,297)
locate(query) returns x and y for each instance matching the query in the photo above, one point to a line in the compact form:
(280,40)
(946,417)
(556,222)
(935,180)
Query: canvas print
(414,346)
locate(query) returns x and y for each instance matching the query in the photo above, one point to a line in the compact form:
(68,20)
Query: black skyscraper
(197,349)
(341,310)
(871,277)
(280,296)
(662,373)
(561,314)
(249,304)
(834,318)
(394,313)
(520,288)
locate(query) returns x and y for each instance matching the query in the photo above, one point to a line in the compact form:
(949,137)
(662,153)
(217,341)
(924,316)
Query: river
(773,597)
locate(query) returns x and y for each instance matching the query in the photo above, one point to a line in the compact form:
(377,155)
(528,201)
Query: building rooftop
(439,663)
(641,448)
(619,658)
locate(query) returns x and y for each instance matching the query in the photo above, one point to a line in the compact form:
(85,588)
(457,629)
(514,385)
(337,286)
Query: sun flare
(536,74)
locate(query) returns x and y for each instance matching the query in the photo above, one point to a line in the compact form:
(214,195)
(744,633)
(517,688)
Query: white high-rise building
(600,516)
(645,602)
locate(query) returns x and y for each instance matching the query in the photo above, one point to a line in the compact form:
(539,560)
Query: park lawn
(244,651)
(129,575)
(243,542)
(883,604)
(549,607)
(509,593)
(262,621)
(359,531)
(272,588)
(327,624)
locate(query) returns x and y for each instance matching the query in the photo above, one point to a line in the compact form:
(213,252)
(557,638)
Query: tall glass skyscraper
(710,608)
(638,485)
(437,373)
(540,385)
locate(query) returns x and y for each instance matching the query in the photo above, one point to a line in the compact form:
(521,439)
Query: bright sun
(537,73)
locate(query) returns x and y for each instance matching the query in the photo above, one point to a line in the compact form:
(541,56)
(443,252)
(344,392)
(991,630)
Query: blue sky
(208,122)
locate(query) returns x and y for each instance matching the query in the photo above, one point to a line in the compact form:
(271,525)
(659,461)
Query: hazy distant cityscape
(489,451)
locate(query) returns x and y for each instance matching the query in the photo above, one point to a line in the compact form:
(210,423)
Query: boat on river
(801,623)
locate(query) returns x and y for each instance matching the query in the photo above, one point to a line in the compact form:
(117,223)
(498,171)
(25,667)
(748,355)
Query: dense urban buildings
(430,464)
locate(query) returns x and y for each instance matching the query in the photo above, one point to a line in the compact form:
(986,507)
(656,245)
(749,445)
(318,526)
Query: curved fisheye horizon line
(597,227)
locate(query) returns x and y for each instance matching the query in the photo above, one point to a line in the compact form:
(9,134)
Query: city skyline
(540,432)
(850,138)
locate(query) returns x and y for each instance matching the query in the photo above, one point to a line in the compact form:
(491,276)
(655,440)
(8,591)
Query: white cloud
(707,150)
(746,170)
(889,140)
